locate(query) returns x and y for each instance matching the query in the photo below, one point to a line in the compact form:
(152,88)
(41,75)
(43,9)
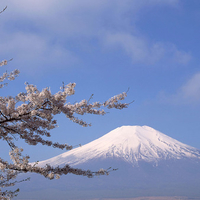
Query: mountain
(149,163)
(129,143)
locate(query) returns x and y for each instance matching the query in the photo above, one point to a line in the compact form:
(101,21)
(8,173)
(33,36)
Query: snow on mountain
(149,163)
(129,143)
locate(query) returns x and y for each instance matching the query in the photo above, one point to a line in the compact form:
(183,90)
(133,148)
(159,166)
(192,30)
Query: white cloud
(141,50)
(191,90)
(188,93)
(31,51)
(80,16)
(83,20)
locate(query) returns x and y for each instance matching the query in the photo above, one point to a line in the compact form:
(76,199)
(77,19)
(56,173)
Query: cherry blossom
(30,116)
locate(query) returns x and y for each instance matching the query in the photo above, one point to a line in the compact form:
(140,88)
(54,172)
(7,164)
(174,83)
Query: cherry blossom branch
(10,76)
(3,10)
(31,115)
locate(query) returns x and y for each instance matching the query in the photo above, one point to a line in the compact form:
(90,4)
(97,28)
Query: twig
(3,10)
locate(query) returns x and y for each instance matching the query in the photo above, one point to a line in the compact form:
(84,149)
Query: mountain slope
(129,143)
(149,164)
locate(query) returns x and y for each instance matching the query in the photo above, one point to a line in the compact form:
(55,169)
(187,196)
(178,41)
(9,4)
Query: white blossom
(10,76)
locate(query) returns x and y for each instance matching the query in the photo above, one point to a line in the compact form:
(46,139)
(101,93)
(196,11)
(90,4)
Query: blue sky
(106,47)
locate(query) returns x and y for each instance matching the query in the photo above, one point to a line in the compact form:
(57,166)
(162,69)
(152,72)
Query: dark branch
(3,10)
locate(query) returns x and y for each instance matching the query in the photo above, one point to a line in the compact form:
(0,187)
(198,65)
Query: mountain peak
(129,143)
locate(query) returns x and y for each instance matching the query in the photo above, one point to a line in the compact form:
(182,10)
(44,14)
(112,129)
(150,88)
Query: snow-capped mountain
(149,164)
(129,143)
